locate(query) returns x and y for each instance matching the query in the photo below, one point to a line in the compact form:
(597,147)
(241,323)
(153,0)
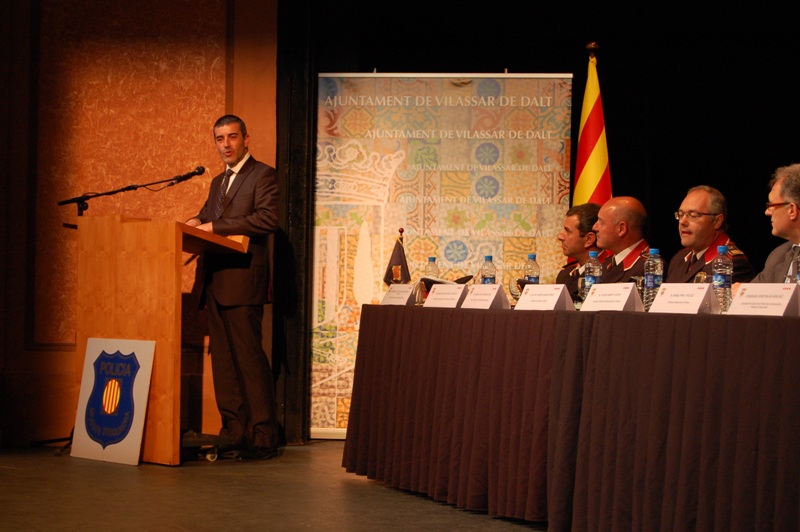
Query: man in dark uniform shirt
(620,230)
(577,240)
(702,225)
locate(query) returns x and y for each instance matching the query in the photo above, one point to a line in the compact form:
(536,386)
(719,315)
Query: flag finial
(592,48)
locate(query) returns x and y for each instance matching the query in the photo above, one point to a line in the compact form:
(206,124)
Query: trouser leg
(225,376)
(243,379)
(255,374)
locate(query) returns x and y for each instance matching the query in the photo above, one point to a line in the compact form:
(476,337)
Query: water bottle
(488,271)
(532,269)
(431,269)
(653,275)
(722,267)
(594,273)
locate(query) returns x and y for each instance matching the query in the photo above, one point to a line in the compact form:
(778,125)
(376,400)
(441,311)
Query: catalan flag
(593,179)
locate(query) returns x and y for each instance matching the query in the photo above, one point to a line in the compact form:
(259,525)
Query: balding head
(620,223)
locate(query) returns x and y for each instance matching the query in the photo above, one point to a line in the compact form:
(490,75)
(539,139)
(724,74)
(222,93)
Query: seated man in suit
(619,228)
(783,208)
(577,240)
(702,224)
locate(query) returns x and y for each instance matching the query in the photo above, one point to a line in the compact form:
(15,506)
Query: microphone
(197,171)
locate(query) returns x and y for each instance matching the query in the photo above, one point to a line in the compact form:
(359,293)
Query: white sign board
(399,294)
(485,296)
(685,298)
(113,400)
(766,299)
(613,296)
(446,296)
(545,297)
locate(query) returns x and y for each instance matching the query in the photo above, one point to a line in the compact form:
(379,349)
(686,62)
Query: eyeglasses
(693,215)
(776,205)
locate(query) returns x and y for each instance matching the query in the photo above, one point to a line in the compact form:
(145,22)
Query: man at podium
(241,201)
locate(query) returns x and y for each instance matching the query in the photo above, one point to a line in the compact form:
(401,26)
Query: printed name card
(486,296)
(399,294)
(545,297)
(766,299)
(446,295)
(613,296)
(685,298)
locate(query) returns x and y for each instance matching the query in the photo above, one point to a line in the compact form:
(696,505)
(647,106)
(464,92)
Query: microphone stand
(82,200)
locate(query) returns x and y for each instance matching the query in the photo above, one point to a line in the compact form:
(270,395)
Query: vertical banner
(468,165)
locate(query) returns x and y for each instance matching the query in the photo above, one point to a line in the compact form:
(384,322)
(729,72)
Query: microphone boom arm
(82,200)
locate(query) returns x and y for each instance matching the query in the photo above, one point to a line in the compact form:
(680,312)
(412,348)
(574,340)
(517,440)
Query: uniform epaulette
(733,250)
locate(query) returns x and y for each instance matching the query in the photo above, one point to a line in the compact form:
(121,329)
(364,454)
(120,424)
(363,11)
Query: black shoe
(261,453)
(191,438)
(231,453)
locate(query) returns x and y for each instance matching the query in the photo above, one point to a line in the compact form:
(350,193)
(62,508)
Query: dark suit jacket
(777,265)
(679,271)
(251,209)
(569,276)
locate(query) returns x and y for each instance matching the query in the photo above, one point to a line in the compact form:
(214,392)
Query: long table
(589,421)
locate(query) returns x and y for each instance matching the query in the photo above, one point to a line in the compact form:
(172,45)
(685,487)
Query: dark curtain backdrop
(691,95)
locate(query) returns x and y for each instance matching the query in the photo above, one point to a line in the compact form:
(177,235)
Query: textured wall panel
(128,96)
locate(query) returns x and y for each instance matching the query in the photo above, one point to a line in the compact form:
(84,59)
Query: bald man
(620,230)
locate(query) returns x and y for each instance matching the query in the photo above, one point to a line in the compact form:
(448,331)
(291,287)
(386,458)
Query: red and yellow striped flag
(593,181)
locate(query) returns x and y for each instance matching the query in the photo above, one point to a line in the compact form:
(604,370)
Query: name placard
(446,295)
(399,294)
(766,299)
(685,298)
(486,296)
(613,296)
(545,297)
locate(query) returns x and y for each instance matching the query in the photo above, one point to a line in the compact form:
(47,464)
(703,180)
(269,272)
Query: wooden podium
(129,287)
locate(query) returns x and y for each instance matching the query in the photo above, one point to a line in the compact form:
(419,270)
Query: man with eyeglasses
(702,225)
(620,230)
(783,209)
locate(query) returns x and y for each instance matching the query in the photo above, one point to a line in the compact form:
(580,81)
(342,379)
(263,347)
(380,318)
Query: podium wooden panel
(129,287)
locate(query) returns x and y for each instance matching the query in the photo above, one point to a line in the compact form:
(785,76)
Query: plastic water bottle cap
(431,259)
(593,254)
(722,249)
(654,251)
(488,257)
(532,256)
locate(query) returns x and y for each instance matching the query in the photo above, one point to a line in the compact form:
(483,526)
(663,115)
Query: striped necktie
(223,189)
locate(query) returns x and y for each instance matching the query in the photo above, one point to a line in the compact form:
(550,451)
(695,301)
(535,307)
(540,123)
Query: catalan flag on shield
(593,178)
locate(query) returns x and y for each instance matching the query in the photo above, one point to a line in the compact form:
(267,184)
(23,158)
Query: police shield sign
(113,400)
(109,413)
